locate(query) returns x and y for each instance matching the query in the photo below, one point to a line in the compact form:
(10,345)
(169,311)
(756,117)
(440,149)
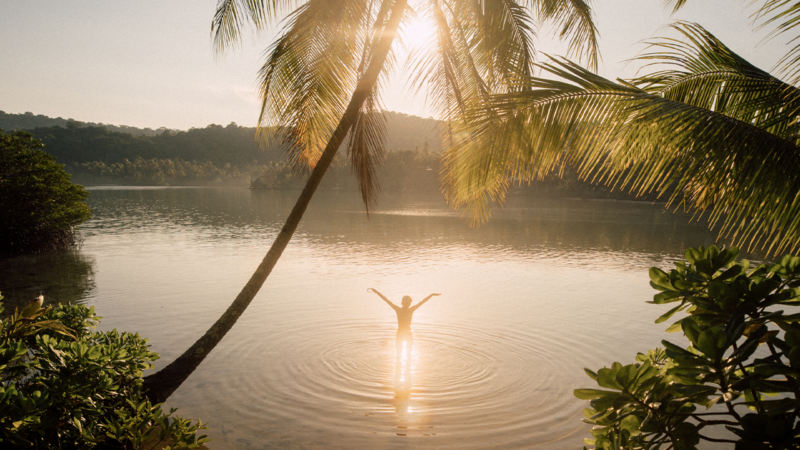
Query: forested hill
(72,142)
(404,132)
(216,144)
(229,155)
(29,121)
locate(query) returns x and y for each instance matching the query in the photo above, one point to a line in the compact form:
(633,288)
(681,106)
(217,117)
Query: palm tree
(710,130)
(322,80)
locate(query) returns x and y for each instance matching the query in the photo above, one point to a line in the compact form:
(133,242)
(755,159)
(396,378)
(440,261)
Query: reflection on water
(404,369)
(62,277)
(405,363)
(546,288)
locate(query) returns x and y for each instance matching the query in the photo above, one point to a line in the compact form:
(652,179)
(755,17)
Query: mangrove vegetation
(39,205)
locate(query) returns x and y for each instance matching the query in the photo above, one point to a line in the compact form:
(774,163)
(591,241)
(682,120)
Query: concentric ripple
(327,378)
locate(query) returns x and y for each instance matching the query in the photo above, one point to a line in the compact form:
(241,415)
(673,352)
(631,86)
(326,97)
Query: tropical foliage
(39,205)
(64,385)
(737,382)
(325,46)
(705,128)
(163,172)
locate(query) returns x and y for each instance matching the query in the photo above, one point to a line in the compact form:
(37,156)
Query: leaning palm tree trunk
(159,386)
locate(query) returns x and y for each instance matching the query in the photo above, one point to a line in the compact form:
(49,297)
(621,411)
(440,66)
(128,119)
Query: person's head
(406,301)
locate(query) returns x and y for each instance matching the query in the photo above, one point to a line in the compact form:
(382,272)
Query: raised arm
(383,297)
(414,308)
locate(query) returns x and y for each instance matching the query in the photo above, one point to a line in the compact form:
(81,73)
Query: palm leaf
(634,139)
(367,136)
(232,15)
(500,34)
(479,48)
(784,15)
(674,4)
(366,149)
(575,23)
(309,75)
(707,74)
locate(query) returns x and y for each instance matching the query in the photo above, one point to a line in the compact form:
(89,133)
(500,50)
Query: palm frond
(506,141)
(575,25)
(232,15)
(439,68)
(366,149)
(500,35)
(785,16)
(479,48)
(310,73)
(634,140)
(368,134)
(707,74)
(675,5)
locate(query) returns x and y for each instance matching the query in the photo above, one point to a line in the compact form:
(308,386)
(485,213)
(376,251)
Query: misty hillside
(29,121)
(403,132)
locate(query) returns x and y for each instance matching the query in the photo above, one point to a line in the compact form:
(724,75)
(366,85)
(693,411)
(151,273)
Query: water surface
(546,288)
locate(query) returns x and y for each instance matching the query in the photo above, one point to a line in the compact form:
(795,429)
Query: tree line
(163,172)
(403,170)
(215,144)
(230,156)
(72,141)
(29,121)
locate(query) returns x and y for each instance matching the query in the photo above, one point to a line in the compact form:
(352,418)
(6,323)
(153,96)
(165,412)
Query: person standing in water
(404,315)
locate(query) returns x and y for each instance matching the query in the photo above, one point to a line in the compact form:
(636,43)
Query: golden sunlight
(418,33)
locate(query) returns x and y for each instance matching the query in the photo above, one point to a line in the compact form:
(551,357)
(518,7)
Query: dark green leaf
(591,394)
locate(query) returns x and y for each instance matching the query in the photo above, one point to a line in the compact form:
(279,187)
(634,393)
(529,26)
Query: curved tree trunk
(160,385)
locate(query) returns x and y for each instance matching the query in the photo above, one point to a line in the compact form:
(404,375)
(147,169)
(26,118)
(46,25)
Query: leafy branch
(743,348)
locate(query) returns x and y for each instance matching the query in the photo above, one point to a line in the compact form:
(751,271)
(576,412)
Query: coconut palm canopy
(324,47)
(704,128)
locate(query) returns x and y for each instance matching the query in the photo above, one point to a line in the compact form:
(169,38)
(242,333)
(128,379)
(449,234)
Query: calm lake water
(546,288)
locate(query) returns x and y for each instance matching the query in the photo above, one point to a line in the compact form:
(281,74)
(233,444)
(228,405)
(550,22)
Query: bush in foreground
(64,385)
(39,205)
(737,382)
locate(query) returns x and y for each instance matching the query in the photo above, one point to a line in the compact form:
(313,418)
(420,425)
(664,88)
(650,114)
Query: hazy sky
(149,63)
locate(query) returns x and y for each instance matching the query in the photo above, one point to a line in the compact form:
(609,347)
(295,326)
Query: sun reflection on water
(406,366)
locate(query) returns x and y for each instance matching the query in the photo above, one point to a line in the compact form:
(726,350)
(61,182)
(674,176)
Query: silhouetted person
(404,315)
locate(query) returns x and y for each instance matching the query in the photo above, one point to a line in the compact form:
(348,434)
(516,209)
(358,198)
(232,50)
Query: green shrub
(740,371)
(39,205)
(64,385)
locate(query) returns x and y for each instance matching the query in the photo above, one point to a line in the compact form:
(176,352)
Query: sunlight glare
(404,361)
(418,33)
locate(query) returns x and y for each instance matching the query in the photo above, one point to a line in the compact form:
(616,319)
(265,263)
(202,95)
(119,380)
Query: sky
(150,63)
